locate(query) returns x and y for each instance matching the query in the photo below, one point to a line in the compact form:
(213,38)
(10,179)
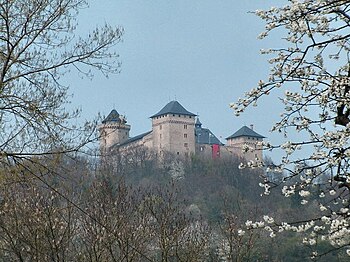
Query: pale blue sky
(204,53)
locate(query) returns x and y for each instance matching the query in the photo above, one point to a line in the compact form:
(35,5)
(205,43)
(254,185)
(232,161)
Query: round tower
(113,131)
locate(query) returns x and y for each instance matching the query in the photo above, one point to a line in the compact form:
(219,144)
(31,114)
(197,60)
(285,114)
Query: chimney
(251,126)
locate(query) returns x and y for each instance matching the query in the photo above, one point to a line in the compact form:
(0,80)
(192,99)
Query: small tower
(246,136)
(173,130)
(198,124)
(113,131)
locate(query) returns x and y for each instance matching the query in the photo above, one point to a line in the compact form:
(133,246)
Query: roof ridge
(173,107)
(245,131)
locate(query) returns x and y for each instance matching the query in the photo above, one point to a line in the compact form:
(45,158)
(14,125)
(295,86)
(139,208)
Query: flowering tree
(313,70)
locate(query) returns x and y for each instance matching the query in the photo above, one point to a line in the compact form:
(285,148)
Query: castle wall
(206,151)
(237,145)
(147,141)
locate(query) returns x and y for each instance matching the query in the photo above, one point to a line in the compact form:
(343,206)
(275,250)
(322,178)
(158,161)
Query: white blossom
(304,193)
(310,73)
(323,208)
(304,202)
(240,232)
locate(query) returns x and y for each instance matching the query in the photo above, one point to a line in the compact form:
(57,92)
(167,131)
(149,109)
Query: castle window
(173,115)
(186,154)
(185,135)
(160,127)
(160,136)
(185,144)
(185,126)
(179,115)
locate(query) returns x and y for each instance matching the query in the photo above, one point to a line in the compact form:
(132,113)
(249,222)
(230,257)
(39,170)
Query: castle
(178,131)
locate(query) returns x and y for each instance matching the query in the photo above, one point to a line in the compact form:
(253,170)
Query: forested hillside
(197,210)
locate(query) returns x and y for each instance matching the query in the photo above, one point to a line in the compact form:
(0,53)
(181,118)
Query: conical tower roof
(245,131)
(173,107)
(198,123)
(112,117)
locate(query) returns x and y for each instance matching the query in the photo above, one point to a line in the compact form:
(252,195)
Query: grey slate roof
(112,117)
(204,135)
(133,139)
(245,131)
(173,107)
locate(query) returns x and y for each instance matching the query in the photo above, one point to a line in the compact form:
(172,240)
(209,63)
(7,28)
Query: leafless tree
(38,45)
(176,236)
(116,228)
(36,225)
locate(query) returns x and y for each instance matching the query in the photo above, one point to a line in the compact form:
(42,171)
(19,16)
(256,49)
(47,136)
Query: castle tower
(113,131)
(173,130)
(246,137)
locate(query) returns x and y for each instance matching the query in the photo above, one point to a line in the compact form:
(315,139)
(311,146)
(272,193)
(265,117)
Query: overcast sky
(203,53)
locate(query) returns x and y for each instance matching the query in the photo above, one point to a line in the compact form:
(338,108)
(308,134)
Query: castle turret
(113,131)
(198,124)
(207,144)
(173,130)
